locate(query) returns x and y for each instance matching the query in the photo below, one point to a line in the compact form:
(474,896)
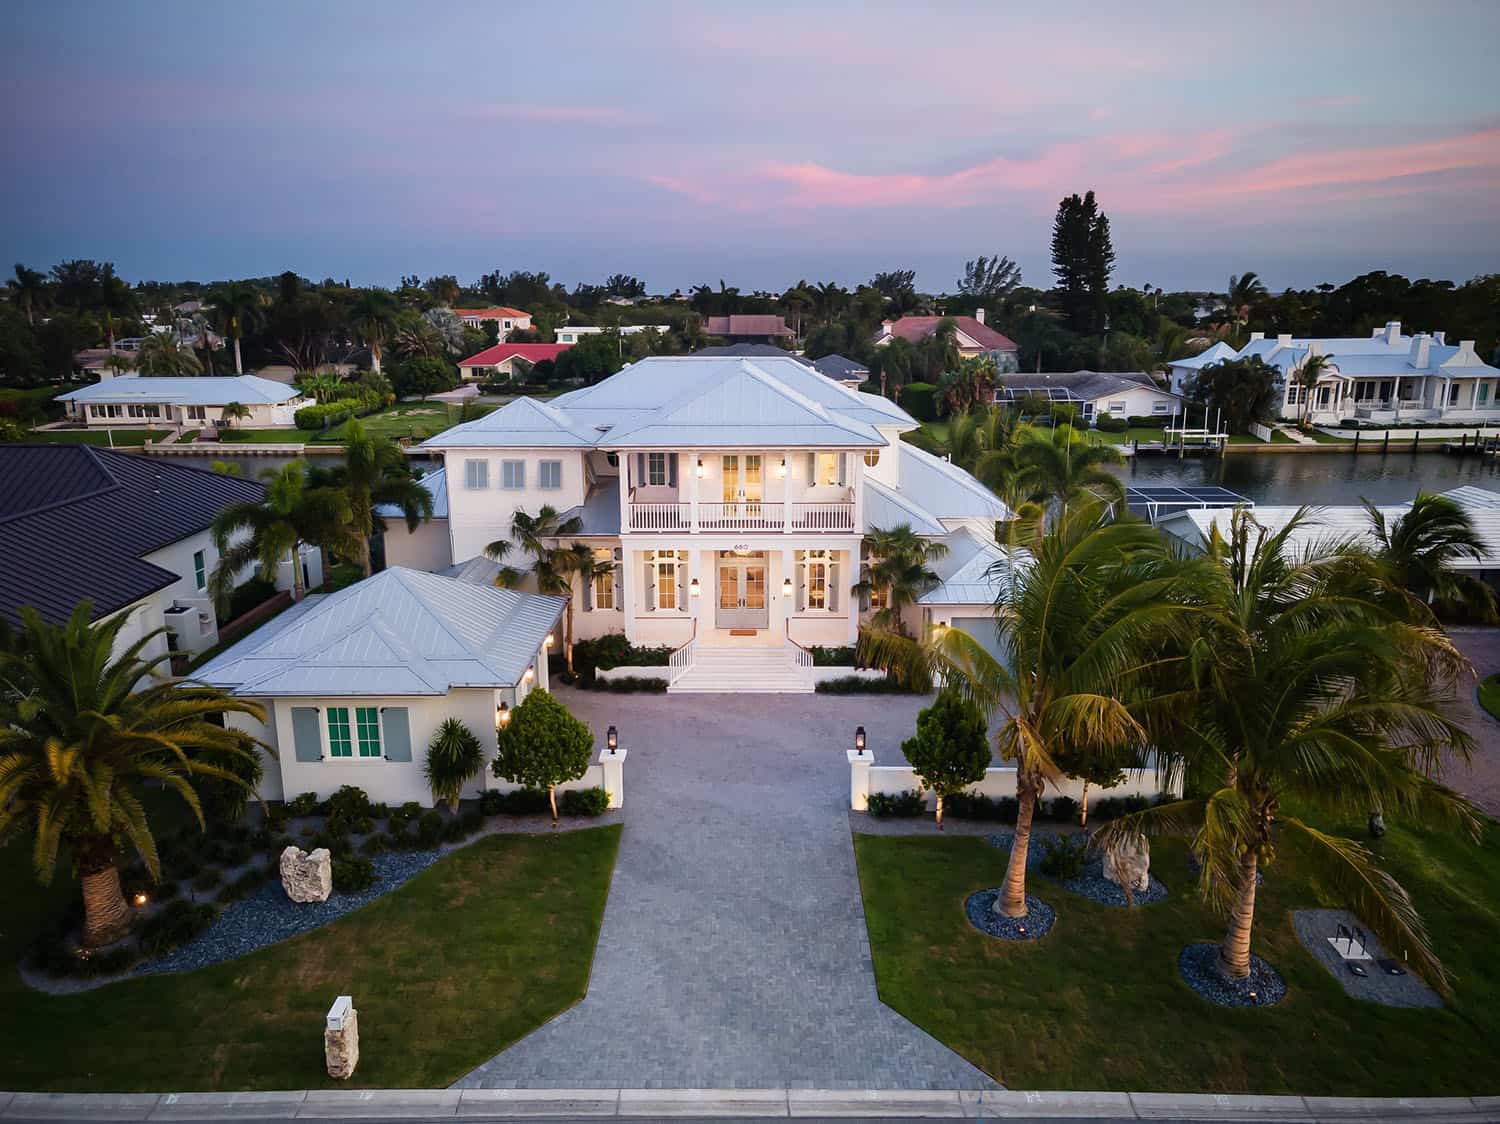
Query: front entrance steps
(742,670)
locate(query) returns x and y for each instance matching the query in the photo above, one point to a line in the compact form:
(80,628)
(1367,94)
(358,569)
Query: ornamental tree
(454,757)
(542,746)
(949,751)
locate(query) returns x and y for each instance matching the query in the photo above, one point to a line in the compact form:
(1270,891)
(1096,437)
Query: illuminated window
(872,457)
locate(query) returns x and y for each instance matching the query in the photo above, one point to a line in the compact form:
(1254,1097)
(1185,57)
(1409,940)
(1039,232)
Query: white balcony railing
(660,516)
(746,515)
(823,516)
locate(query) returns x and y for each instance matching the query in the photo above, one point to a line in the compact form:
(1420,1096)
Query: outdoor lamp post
(859,740)
(612,739)
(502,715)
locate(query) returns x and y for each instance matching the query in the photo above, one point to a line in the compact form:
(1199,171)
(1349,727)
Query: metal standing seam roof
(204,390)
(1214,353)
(887,508)
(945,490)
(968,574)
(435,482)
(401,632)
(76,523)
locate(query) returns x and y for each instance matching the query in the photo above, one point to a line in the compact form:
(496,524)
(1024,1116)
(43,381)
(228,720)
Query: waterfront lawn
(281,436)
(1098,1004)
(460,962)
(1489,694)
(123,438)
(414,420)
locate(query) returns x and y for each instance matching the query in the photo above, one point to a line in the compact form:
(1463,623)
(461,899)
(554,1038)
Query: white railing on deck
(660,516)
(747,515)
(823,516)
(801,657)
(682,659)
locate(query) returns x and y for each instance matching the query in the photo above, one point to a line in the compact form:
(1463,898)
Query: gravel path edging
(979,907)
(1198,965)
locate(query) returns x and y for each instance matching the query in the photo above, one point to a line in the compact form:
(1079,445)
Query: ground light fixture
(694,589)
(502,715)
(139,898)
(859,740)
(612,739)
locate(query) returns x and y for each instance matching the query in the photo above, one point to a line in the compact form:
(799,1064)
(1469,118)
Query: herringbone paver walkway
(734,951)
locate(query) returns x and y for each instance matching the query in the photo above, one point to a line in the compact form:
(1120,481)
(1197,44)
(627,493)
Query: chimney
(1256,337)
(1439,338)
(979,315)
(1284,340)
(1392,330)
(1420,355)
(1466,347)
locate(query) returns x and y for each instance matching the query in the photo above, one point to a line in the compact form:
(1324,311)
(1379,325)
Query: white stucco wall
(1138,401)
(178,558)
(480,516)
(891,780)
(426,548)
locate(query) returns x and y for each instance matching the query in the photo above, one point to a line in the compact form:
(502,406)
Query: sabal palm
(30,289)
(1313,368)
(1064,468)
(237,307)
(82,731)
(1420,548)
(162,353)
(374,473)
(235,411)
(1244,290)
(1086,627)
(554,567)
(899,569)
(373,317)
(1307,691)
(264,533)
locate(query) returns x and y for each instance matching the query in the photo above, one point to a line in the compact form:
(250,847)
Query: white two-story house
(725,500)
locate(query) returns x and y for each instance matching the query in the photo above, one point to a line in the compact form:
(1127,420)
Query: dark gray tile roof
(1087,385)
(75,522)
(749,349)
(840,367)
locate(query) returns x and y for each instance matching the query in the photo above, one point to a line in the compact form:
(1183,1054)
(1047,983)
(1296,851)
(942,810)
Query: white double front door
(742,599)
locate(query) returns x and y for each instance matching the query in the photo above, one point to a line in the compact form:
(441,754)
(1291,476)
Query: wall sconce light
(547,643)
(702,469)
(502,715)
(786,588)
(139,898)
(612,739)
(694,589)
(529,676)
(859,740)
(781,467)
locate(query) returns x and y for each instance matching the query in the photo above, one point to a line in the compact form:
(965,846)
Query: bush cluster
(1148,421)
(179,923)
(533,802)
(919,399)
(352,874)
(858,685)
(249,594)
(1063,856)
(627,684)
(303,805)
(907,804)
(614,650)
(1108,424)
(969,806)
(833,657)
(1112,806)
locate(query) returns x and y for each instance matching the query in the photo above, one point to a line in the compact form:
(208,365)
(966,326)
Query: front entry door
(742,592)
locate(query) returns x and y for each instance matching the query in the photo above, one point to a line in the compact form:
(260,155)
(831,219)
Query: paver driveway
(734,951)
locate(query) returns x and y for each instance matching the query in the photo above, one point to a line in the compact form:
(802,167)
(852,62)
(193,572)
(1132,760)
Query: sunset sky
(757,142)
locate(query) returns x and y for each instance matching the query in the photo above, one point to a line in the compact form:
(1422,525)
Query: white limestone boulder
(307,876)
(1127,862)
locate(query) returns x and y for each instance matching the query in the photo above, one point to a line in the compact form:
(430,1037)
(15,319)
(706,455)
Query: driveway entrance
(733,951)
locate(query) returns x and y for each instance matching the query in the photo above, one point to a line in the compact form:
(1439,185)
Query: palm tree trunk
(552,797)
(568,634)
(1012,900)
(1083,807)
(1234,953)
(375,356)
(239,368)
(940,811)
(106,918)
(364,555)
(297,590)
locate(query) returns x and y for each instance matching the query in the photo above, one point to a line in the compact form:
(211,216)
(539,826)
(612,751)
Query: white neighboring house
(1385,377)
(725,500)
(191,401)
(572,333)
(1182,370)
(1124,394)
(356,683)
(505,319)
(128,533)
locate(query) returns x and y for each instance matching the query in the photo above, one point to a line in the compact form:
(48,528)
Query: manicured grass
(1489,694)
(123,438)
(1098,1004)
(457,964)
(263,436)
(1139,433)
(340,575)
(415,420)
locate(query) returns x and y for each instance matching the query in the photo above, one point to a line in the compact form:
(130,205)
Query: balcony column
(857,477)
(691,472)
(850,569)
(624,490)
(786,493)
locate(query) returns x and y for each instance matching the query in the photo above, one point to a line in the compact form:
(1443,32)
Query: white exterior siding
(426,548)
(1143,400)
(480,516)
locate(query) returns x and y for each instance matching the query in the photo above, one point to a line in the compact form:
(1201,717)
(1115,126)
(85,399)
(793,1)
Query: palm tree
(234,411)
(237,306)
(899,571)
(375,473)
(576,561)
(965,442)
(1063,467)
(322,386)
(1306,691)
(373,317)
(1419,549)
(1087,631)
(264,533)
(119,363)
(82,731)
(1244,290)
(554,567)
(162,353)
(1313,368)
(30,290)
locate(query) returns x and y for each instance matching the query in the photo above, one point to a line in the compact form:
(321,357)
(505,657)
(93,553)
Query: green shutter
(397,733)
(307,739)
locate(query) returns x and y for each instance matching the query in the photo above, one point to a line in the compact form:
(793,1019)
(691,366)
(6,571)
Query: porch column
(857,478)
(786,493)
(691,473)
(630,586)
(849,570)
(624,490)
(695,604)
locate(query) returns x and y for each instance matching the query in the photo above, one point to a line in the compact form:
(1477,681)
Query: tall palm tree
(163,353)
(1086,628)
(965,443)
(83,731)
(554,567)
(1313,368)
(899,571)
(1244,290)
(1064,468)
(264,533)
(373,318)
(1306,691)
(1419,549)
(576,561)
(237,307)
(29,287)
(374,473)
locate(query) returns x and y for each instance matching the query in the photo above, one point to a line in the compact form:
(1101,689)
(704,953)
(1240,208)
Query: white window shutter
(833,587)
(843,460)
(812,468)
(672,470)
(650,587)
(801,587)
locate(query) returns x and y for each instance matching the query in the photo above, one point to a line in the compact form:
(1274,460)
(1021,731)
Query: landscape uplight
(140,897)
(859,740)
(612,739)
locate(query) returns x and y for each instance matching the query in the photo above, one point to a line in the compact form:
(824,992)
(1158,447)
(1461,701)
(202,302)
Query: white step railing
(660,516)
(801,657)
(747,515)
(823,516)
(682,659)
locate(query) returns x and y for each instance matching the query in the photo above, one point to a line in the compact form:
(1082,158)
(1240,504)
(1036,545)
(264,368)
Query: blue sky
(759,143)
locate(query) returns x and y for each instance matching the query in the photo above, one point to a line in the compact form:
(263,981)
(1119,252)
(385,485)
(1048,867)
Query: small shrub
(405,814)
(207,879)
(859,685)
(627,684)
(394,840)
(430,828)
(454,758)
(350,802)
(176,925)
(519,802)
(1108,424)
(375,845)
(491,803)
(965,806)
(1063,856)
(899,804)
(584,802)
(454,831)
(1063,809)
(304,805)
(351,875)
(473,821)
(337,844)
(832,657)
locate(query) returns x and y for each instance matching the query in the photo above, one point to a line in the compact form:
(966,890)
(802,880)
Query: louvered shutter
(640,470)
(650,587)
(812,468)
(682,583)
(307,735)
(619,580)
(833,586)
(801,587)
(588,594)
(672,470)
(843,473)
(397,725)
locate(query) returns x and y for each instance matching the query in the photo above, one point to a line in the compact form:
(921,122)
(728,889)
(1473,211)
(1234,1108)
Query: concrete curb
(423,1104)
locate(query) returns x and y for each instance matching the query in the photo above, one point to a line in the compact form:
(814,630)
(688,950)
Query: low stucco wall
(867,778)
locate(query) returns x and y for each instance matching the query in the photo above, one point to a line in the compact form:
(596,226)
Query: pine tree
(1082,259)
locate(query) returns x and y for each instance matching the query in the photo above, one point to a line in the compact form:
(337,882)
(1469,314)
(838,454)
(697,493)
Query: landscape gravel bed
(1037,923)
(1199,968)
(1091,883)
(1315,926)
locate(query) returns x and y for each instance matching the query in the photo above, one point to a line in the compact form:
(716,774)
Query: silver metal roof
(969,571)
(192,390)
(435,482)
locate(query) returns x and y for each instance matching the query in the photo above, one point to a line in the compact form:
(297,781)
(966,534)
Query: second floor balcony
(741,515)
(786,492)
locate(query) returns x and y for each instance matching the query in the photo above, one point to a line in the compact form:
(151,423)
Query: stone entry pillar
(341,1038)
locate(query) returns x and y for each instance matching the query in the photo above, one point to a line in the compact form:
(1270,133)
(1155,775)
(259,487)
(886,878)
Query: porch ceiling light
(702,469)
(502,715)
(612,739)
(786,587)
(859,740)
(781,467)
(694,589)
(547,643)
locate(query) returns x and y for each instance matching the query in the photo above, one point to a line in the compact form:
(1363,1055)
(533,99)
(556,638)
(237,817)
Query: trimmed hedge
(858,685)
(965,806)
(1108,424)
(919,399)
(626,684)
(1148,421)
(533,802)
(900,804)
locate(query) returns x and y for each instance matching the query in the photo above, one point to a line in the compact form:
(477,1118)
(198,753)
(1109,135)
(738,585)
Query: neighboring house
(724,498)
(194,402)
(356,683)
(1180,371)
(508,360)
(95,360)
(755,328)
(574,332)
(845,372)
(1123,394)
(974,336)
(128,533)
(506,320)
(1385,377)
(426,548)
(972,574)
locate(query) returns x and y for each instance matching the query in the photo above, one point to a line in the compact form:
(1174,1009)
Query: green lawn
(463,960)
(416,420)
(1098,1004)
(1489,694)
(1139,433)
(123,438)
(263,436)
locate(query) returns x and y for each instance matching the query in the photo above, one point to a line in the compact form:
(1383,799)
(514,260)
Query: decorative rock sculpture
(307,877)
(341,1038)
(1127,862)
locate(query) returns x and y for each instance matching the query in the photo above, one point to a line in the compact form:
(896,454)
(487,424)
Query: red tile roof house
(759,328)
(974,336)
(505,319)
(508,360)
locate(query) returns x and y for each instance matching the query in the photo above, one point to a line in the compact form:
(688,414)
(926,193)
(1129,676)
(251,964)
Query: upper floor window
(513,474)
(872,457)
(829,468)
(656,469)
(200,569)
(550,475)
(476,474)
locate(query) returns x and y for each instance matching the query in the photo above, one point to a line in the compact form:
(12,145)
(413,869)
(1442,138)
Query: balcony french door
(742,592)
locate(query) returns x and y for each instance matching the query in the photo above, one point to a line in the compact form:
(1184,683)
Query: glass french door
(742,599)
(742,480)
